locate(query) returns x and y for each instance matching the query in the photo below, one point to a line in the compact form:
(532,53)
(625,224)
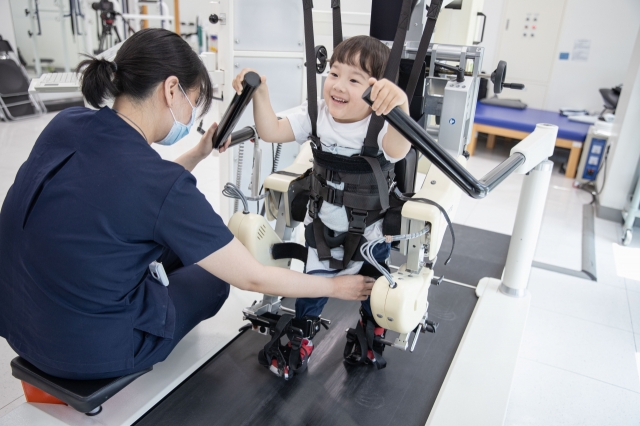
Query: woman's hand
(205,146)
(352,287)
(237,82)
(386,96)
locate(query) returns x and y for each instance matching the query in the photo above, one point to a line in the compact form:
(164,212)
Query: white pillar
(526,229)
(625,146)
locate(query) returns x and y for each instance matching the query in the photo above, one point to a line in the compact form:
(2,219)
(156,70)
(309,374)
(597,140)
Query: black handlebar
(243,135)
(424,143)
(236,108)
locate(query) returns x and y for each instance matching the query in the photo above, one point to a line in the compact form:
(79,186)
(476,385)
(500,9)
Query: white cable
(367,251)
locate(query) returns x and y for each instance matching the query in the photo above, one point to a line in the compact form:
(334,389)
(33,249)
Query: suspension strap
(337,23)
(383,185)
(370,148)
(432,17)
(310,53)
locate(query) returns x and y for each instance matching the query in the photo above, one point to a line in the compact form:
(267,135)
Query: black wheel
(94,412)
(498,76)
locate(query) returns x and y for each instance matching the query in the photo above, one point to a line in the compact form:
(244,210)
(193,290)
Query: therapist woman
(94,205)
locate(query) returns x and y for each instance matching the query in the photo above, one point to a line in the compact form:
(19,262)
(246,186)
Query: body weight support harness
(367,177)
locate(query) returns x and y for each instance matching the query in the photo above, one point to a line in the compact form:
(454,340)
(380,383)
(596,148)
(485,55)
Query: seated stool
(86,396)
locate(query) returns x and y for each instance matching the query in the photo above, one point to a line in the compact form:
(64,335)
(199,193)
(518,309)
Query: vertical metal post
(34,34)
(87,27)
(65,44)
(526,230)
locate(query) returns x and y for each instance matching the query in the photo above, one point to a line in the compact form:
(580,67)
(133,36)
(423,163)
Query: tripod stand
(107,19)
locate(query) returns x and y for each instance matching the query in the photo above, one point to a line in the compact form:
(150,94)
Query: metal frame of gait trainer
(533,194)
(440,158)
(488,352)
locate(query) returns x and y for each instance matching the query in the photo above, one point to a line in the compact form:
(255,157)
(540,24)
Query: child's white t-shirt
(343,139)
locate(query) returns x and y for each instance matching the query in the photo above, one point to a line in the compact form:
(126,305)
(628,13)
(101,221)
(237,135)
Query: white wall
(625,141)
(494,11)
(611,31)
(6,23)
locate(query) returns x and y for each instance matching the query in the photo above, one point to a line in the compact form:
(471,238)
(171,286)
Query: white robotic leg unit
(402,307)
(258,236)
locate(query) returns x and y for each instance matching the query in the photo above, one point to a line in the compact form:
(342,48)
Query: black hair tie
(114,66)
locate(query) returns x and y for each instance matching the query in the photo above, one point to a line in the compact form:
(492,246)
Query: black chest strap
(432,17)
(310,53)
(370,148)
(337,23)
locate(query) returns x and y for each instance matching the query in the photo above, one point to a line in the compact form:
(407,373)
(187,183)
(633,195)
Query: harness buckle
(358,221)
(314,206)
(315,141)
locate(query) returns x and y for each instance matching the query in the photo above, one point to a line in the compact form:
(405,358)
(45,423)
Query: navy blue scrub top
(91,207)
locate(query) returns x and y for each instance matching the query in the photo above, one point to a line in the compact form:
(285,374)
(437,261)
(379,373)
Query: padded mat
(233,389)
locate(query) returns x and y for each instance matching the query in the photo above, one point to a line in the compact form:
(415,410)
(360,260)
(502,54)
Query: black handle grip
(237,106)
(440,158)
(242,135)
(515,86)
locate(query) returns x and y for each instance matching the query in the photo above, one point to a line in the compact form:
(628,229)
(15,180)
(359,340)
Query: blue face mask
(179,130)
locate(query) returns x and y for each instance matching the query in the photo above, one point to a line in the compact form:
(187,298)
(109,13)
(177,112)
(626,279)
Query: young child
(343,120)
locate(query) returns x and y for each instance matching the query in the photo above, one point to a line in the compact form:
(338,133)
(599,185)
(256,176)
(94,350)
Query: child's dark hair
(144,60)
(366,52)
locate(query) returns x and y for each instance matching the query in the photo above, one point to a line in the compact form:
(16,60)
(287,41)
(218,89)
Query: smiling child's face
(343,91)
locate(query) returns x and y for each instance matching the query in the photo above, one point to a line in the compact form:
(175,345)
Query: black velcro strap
(432,17)
(349,165)
(310,54)
(390,71)
(324,252)
(351,246)
(332,241)
(362,341)
(368,270)
(392,223)
(289,251)
(272,349)
(298,208)
(337,23)
(380,362)
(383,186)
(361,201)
(310,325)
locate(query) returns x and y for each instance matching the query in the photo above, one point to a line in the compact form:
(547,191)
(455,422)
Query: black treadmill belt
(477,254)
(233,389)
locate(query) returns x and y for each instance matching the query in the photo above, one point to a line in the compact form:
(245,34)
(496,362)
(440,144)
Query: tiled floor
(579,359)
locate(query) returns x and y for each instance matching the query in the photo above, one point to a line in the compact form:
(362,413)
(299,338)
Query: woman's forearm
(234,264)
(190,159)
(288,283)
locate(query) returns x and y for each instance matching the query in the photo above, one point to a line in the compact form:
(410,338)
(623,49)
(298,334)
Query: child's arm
(386,96)
(268,126)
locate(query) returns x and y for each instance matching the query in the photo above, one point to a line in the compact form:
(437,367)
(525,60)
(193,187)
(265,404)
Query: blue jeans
(313,306)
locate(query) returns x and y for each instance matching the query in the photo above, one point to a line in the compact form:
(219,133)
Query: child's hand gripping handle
(236,108)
